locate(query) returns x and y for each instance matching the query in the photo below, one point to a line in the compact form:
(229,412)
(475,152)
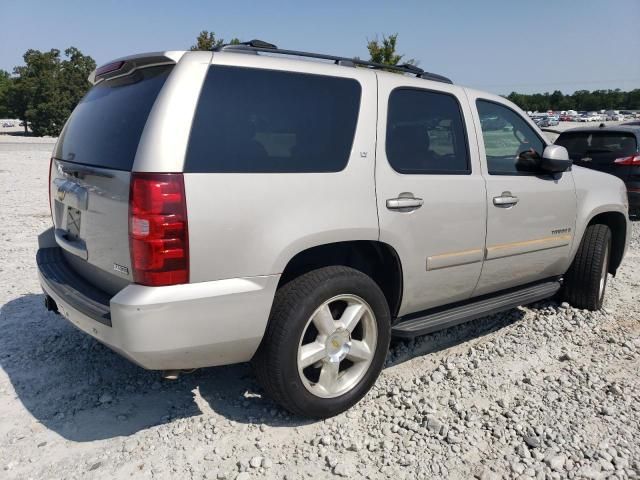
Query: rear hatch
(91,173)
(602,150)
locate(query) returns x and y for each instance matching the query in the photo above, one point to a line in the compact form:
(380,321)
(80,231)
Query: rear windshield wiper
(598,150)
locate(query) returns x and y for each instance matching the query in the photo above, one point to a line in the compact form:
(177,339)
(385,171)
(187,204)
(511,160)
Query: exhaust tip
(170,374)
(50,304)
(175,374)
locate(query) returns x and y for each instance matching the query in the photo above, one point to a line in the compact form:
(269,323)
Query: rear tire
(321,371)
(586,280)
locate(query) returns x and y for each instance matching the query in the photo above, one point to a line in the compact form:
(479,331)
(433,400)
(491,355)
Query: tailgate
(91,171)
(90,208)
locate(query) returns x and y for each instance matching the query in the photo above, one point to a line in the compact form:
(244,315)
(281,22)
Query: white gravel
(540,392)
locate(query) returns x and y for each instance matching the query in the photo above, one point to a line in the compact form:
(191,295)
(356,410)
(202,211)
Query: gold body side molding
(527,246)
(453,259)
(465,257)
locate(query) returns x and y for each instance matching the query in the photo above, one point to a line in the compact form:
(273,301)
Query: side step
(432,321)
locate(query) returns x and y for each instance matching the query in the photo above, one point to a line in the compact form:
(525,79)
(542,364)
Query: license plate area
(74,217)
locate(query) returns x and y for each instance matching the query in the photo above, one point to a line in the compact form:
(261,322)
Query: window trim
(469,169)
(278,70)
(486,161)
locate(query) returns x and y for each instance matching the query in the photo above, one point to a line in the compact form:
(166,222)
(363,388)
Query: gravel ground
(546,391)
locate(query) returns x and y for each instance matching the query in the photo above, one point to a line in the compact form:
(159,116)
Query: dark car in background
(613,150)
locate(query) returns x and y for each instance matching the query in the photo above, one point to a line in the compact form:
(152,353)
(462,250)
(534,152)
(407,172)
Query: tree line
(579,100)
(43,92)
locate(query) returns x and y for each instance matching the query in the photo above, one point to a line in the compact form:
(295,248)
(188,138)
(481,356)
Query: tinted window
(252,120)
(105,127)
(425,133)
(512,147)
(598,146)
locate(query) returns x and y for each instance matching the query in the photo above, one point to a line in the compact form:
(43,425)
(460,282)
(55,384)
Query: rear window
(590,144)
(105,127)
(262,121)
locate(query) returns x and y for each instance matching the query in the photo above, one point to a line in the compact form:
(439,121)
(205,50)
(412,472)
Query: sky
(494,45)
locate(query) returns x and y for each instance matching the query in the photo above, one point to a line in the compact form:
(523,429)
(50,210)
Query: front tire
(585,282)
(326,342)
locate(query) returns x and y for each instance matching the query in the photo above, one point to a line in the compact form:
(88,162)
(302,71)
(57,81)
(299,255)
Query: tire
(298,307)
(586,280)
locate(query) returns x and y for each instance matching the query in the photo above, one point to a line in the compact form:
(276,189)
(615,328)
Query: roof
(258,46)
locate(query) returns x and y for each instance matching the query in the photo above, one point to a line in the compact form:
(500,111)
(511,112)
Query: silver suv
(298,210)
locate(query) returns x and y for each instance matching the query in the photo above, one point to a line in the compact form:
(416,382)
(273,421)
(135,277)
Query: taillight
(158,232)
(633,160)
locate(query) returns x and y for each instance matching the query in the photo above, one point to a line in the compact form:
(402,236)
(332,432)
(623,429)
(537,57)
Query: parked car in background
(612,149)
(635,123)
(216,207)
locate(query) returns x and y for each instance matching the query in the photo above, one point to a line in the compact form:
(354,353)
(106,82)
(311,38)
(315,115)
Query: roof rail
(256,46)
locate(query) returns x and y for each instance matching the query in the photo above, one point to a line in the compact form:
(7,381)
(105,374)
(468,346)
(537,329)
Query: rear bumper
(165,328)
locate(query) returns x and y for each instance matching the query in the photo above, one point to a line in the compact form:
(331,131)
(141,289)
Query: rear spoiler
(124,66)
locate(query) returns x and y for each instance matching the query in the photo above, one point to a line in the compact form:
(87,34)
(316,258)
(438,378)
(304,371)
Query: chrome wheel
(337,346)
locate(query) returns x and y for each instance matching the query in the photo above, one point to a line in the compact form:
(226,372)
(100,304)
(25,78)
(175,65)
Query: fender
(598,193)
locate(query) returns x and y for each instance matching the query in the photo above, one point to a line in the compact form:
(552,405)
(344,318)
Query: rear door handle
(505,200)
(404,203)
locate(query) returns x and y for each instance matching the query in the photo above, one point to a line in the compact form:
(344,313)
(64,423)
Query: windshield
(105,127)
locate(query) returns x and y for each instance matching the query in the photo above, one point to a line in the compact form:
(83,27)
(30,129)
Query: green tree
(5,83)
(385,52)
(45,90)
(207,40)
(74,72)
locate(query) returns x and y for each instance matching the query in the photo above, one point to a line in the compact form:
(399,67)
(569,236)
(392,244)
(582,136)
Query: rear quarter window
(105,127)
(262,121)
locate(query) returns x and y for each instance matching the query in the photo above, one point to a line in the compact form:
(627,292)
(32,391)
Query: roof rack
(256,46)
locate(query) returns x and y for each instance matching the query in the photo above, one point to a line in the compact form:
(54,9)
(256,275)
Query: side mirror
(555,159)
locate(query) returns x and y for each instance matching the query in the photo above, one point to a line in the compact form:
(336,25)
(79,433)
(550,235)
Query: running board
(441,319)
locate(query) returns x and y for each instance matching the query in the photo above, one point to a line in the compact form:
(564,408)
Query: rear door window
(105,127)
(425,133)
(261,121)
(598,146)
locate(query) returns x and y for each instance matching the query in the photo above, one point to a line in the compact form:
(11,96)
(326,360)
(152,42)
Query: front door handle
(405,204)
(505,200)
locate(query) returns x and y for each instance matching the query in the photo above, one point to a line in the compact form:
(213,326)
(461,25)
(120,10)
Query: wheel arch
(617,223)
(376,259)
